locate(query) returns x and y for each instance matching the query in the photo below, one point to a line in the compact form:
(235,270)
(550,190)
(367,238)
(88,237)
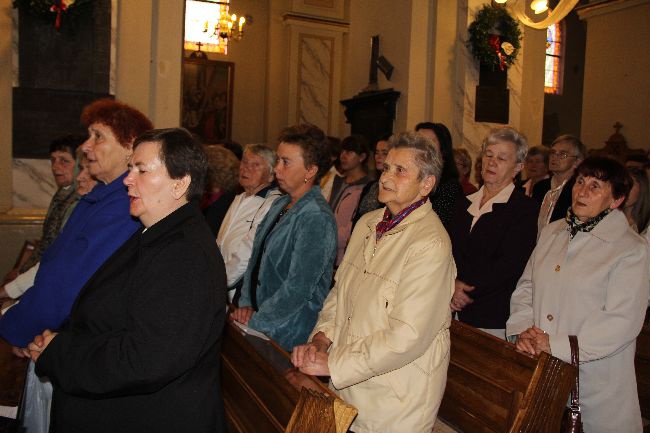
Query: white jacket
(237,232)
(595,287)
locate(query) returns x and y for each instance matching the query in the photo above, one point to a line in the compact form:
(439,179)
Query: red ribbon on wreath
(495,42)
(58,9)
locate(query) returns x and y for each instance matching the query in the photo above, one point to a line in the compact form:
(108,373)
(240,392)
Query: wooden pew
(261,390)
(13,371)
(642,368)
(491,387)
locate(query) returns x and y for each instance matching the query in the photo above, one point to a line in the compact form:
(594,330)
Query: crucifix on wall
(377,62)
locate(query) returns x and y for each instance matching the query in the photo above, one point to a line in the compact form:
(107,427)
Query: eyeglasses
(561,155)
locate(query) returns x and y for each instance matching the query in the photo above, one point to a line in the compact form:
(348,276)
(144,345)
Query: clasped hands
(311,358)
(460,299)
(534,341)
(36,347)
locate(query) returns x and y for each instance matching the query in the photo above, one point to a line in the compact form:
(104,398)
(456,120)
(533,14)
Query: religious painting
(207,98)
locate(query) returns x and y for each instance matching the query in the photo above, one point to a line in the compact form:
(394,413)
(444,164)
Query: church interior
(298,59)
(346,66)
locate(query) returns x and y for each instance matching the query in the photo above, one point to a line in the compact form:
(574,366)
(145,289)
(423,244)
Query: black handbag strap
(575,360)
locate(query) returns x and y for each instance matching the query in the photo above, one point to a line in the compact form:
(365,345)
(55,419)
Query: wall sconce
(209,26)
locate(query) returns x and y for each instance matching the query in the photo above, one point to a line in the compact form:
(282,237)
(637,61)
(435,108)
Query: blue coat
(99,225)
(295,273)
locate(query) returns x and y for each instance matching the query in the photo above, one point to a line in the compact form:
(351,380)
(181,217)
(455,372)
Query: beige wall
(149,52)
(617,75)
(392,22)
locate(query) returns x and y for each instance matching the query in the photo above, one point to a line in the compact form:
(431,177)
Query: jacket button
(365,272)
(349,318)
(550,317)
(557,268)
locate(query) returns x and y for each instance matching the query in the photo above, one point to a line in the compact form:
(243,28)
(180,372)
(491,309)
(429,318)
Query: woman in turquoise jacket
(290,271)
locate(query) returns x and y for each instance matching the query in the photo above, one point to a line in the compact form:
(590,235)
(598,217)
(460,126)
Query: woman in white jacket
(588,276)
(237,232)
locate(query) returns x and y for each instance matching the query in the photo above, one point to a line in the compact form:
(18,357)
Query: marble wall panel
(315,84)
(33,184)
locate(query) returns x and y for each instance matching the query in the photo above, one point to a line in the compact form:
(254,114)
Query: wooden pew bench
(490,387)
(13,372)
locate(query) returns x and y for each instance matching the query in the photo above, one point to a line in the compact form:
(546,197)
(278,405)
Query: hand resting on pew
(534,341)
(242,315)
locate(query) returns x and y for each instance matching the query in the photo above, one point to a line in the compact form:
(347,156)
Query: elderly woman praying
(383,333)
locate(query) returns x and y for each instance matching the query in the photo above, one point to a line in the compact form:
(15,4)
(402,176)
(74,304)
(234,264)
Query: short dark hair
(539,150)
(641,209)
(313,143)
(67,143)
(356,143)
(182,155)
(449,169)
(232,146)
(126,122)
(607,170)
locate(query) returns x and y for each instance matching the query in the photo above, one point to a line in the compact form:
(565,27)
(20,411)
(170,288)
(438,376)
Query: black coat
(140,352)
(493,255)
(564,200)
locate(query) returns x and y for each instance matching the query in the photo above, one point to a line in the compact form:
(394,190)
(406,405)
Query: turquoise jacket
(295,274)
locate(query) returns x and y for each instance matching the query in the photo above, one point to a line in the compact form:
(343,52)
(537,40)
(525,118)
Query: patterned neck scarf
(388,222)
(575,225)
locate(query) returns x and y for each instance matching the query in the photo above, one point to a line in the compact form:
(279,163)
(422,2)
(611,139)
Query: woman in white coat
(383,333)
(248,209)
(588,276)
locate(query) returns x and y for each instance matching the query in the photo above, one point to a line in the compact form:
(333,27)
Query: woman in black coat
(140,351)
(493,232)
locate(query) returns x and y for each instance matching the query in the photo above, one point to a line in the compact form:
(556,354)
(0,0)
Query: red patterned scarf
(388,222)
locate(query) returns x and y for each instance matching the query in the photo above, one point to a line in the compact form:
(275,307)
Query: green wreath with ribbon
(53,10)
(494,37)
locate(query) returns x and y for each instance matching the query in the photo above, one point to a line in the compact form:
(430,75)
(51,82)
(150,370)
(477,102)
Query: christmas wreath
(494,37)
(54,10)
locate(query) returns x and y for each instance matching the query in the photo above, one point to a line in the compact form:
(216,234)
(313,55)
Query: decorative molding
(315,65)
(23,217)
(308,20)
(320,8)
(605,7)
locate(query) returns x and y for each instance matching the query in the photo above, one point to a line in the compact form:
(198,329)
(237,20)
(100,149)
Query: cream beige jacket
(388,317)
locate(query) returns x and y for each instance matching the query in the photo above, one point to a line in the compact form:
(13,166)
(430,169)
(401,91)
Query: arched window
(554,59)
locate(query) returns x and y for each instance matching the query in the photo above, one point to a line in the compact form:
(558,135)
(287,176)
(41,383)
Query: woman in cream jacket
(383,333)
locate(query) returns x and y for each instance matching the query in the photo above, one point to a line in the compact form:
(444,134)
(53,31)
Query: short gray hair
(427,158)
(265,152)
(578,147)
(507,134)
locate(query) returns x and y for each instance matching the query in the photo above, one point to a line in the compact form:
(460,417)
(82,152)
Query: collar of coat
(102,190)
(414,216)
(177,217)
(314,191)
(610,229)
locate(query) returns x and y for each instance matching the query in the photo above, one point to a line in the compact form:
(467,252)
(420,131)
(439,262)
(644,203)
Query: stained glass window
(554,59)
